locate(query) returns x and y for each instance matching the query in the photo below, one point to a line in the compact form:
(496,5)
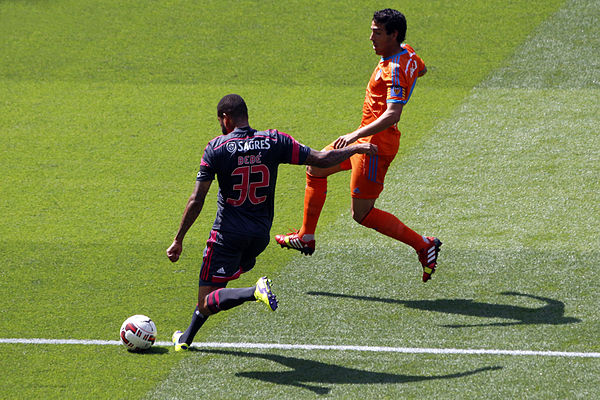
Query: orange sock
(314,199)
(389,225)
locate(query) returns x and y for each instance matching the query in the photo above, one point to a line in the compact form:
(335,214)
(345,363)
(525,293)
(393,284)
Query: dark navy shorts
(228,255)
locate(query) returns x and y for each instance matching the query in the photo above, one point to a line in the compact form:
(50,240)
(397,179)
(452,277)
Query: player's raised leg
(315,194)
(383,222)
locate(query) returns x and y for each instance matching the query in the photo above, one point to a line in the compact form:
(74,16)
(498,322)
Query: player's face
(384,44)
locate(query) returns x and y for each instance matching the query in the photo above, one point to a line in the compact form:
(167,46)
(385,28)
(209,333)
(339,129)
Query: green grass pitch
(106,106)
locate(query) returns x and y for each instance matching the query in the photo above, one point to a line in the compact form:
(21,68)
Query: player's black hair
(234,106)
(393,20)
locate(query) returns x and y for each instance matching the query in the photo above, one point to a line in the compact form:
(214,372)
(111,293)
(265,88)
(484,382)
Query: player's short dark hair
(393,20)
(234,106)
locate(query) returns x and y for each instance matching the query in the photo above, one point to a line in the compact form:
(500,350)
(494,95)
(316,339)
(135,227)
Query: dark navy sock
(197,322)
(224,299)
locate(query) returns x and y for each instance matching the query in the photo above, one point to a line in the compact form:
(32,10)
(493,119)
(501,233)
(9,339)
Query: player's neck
(243,124)
(392,52)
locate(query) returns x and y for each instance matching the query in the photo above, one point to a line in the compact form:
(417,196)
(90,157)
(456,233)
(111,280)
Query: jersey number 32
(253,177)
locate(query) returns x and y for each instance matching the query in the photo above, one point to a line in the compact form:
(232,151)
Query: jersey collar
(397,54)
(245,131)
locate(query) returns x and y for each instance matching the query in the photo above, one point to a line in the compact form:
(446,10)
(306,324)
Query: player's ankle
(307,237)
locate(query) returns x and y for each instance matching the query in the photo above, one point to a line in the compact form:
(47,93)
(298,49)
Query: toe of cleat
(175,339)
(263,293)
(293,241)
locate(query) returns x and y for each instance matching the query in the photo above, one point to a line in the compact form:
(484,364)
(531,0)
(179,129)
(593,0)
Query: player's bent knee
(360,209)
(315,171)
(359,216)
(203,309)
(319,172)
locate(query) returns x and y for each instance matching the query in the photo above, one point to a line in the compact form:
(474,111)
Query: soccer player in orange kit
(389,89)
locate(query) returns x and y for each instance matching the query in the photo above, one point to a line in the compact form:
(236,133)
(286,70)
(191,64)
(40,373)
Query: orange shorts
(368,173)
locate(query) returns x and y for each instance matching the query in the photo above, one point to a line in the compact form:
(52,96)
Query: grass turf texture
(104,111)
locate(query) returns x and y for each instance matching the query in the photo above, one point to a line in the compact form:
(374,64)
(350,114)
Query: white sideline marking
(377,349)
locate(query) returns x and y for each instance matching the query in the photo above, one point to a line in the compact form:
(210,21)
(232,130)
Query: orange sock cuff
(387,224)
(314,199)
(316,182)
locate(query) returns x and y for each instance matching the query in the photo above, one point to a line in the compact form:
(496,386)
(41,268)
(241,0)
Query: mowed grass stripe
(486,185)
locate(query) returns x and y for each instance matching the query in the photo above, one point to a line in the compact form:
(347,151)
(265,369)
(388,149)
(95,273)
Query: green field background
(106,106)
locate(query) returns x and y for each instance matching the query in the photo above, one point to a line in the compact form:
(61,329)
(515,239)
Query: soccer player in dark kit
(245,162)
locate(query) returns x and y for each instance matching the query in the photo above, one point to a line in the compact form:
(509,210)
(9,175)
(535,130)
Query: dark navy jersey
(245,162)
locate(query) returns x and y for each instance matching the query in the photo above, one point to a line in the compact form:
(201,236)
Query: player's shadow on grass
(550,314)
(307,374)
(154,350)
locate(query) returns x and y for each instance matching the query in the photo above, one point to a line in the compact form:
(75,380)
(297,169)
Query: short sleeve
(404,78)
(206,171)
(294,151)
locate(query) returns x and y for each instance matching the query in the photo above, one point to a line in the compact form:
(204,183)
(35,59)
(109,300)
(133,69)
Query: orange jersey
(392,81)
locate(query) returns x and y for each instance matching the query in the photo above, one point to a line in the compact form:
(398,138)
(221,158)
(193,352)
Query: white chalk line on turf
(278,346)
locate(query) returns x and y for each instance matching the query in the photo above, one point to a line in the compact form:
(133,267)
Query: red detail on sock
(212,301)
(216,295)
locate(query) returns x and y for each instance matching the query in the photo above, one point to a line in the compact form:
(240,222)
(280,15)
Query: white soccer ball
(138,333)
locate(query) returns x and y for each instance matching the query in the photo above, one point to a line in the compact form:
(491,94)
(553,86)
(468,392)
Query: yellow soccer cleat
(263,293)
(179,346)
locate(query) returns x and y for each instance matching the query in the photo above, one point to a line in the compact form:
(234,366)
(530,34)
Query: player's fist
(369,149)
(174,251)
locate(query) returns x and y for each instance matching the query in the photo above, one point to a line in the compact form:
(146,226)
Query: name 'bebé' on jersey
(245,162)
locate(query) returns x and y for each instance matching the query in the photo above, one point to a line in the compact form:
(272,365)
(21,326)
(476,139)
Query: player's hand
(369,149)
(344,141)
(174,251)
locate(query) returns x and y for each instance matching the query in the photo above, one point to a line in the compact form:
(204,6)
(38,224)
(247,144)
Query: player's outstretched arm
(191,212)
(389,117)
(325,159)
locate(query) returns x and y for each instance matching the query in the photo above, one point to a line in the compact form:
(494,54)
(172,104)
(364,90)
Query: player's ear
(228,122)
